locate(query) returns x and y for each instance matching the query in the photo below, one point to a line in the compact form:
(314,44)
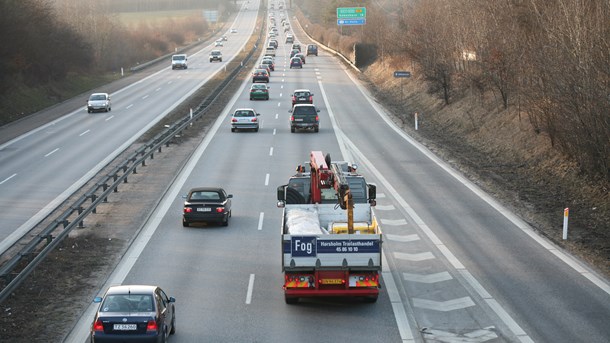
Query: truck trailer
(331,240)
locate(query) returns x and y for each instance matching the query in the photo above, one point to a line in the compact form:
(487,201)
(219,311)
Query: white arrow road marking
(444,306)
(429,278)
(481,335)
(394,222)
(402,238)
(385,207)
(414,257)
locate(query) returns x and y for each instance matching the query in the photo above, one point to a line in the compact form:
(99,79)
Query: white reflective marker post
(566,212)
(416,121)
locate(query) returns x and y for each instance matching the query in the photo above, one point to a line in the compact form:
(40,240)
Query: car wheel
(250,98)
(292,129)
(88,111)
(106,110)
(185,223)
(256,130)
(316,129)
(220,60)
(109,109)
(173,329)
(232,129)
(226,221)
(267,98)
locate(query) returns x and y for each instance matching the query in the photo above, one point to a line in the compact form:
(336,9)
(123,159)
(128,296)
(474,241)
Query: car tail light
(291,118)
(233,120)
(98,326)
(151,325)
(254,120)
(317,118)
(188,210)
(311,99)
(220,209)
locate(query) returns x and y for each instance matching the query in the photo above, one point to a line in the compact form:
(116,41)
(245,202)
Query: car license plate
(204,209)
(331,281)
(125,327)
(298,119)
(302,99)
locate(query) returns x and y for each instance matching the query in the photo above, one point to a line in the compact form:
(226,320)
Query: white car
(233,30)
(99,102)
(219,42)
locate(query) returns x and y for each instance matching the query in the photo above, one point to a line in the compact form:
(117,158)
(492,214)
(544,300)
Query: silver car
(99,102)
(244,119)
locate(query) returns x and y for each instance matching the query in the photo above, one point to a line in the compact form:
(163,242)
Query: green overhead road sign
(351,12)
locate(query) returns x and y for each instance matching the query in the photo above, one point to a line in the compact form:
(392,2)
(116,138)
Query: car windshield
(128,303)
(243,113)
(215,53)
(98,97)
(179,58)
(205,195)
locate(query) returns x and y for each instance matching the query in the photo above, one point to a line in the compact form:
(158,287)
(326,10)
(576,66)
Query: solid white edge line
(250,288)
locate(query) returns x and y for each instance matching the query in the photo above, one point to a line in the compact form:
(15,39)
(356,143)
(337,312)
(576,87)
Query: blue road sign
(400,73)
(351,21)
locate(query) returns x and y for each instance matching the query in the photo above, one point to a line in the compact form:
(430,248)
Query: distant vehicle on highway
(99,102)
(269,62)
(215,55)
(289,38)
(233,30)
(296,62)
(179,61)
(304,116)
(312,49)
(260,75)
(259,91)
(301,56)
(219,42)
(207,204)
(134,313)
(302,96)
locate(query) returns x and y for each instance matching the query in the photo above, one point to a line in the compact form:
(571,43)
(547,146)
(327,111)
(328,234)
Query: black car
(207,204)
(134,313)
(304,116)
(260,75)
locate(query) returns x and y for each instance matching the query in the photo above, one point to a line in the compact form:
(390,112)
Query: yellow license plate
(331,281)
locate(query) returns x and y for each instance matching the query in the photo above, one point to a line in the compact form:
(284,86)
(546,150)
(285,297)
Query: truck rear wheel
(291,300)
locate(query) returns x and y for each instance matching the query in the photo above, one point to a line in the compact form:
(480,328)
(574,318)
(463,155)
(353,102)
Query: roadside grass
(22,100)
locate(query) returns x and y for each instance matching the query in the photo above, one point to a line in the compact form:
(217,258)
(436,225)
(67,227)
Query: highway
(40,169)
(458,266)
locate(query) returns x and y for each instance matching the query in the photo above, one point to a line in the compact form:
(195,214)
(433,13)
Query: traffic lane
(474,231)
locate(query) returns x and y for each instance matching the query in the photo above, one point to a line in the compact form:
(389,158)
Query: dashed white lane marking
(279,104)
(271,151)
(427,278)
(107,119)
(158,89)
(280,95)
(51,153)
(146,96)
(422,256)
(8,178)
(84,133)
(274,130)
(128,107)
(267,180)
(444,306)
(261,217)
(250,288)
(385,207)
(277,115)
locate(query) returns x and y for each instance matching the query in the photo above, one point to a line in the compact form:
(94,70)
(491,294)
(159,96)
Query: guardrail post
(81,224)
(93,198)
(135,171)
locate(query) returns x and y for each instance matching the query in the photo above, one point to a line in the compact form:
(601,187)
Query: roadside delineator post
(566,212)
(416,121)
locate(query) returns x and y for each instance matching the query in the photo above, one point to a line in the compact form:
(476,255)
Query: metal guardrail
(32,254)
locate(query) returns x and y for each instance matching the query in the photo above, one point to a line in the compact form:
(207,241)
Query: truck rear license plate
(124,327)
(204,209)
(331,281)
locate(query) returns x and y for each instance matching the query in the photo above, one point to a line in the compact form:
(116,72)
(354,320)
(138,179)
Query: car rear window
(243,114)
(206,195)
(299,94)
(305,110)
(128,303)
